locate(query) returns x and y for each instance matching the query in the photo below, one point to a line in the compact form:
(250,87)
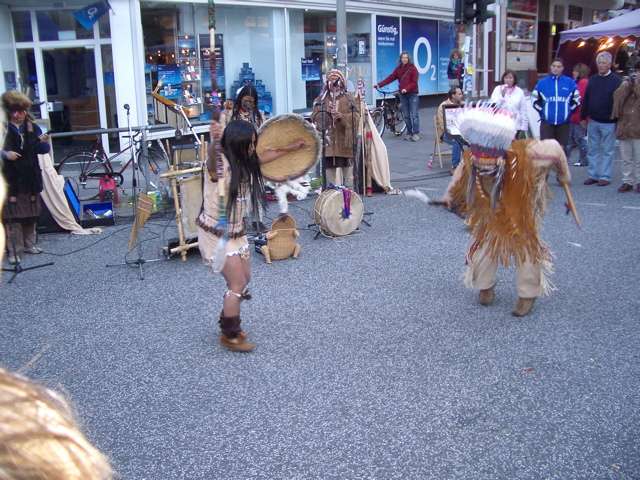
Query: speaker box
(46,223)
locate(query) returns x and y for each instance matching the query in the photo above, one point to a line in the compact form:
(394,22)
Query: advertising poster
(169,75)
(310,69)
(420,39)
(387,48)
(446,44)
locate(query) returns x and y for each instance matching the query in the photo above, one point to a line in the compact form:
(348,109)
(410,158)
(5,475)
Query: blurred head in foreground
(40,439)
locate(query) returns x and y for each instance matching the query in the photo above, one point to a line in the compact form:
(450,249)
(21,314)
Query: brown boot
(242,334)
(486,297)
(232,336)
(523,306)
(238,344)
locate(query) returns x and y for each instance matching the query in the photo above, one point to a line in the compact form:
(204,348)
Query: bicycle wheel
(378,119)
(398,124)
(152,165)
(84,172)
(154,162)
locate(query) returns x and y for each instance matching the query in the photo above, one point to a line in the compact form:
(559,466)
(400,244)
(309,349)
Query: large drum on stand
(337,216)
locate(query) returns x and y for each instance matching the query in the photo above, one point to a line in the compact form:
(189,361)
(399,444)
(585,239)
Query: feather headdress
(489,130)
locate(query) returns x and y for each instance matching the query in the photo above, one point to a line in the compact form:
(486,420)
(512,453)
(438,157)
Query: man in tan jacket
(626,107)
(341,105)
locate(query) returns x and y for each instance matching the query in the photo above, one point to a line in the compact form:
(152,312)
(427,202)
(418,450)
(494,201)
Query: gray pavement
(373,360)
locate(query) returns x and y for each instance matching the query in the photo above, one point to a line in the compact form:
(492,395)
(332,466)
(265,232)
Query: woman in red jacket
(407,75)
(577,134)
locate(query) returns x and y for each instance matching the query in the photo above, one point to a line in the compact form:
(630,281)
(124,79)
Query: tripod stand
(138,221)
(18,268)
(323,121)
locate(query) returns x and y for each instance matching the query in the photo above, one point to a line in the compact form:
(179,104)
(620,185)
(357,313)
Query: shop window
(22,26)
(104,26)
(28,75)
(60,25)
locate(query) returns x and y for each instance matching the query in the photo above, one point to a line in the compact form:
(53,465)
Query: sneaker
(625,188)
(13,260)
(33,250)
(578,164)
(408,137)
(415,137)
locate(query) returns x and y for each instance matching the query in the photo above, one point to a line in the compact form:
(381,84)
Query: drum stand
(135,182)
(18,268)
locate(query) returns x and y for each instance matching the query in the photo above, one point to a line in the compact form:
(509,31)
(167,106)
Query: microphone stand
(196,142)
(135,182)
(323,129)
(18,268)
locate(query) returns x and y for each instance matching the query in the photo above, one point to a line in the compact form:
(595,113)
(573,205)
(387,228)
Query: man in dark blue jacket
(598,106)
(555,97)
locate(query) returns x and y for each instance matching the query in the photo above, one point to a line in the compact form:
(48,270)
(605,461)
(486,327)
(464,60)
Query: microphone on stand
(126,107)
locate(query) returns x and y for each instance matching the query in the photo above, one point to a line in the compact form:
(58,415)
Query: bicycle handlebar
(386,92)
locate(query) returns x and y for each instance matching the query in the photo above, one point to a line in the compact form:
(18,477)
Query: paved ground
(373,362)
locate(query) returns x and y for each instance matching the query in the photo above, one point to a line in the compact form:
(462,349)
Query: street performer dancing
(338,103)
(235,176)
(502,192)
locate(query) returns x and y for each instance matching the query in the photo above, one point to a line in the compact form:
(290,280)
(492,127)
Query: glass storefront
(67,70)
(253,45)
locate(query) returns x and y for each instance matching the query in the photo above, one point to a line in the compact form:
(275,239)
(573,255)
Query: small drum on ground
(330,212)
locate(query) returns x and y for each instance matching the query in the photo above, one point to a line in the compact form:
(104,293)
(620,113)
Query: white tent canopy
(623,26)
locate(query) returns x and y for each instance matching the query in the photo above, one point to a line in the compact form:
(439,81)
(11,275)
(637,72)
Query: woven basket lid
(280,131)
(284,222)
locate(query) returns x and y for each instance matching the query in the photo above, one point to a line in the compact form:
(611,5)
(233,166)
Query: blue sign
(446,44)
(420,39)
(310,68)
(169,75)
(387,46)
(90,14)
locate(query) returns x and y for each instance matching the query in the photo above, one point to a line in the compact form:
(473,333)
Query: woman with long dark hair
(243,184)
(246,107)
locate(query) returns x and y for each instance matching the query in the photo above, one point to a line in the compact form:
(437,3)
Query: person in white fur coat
(509,95)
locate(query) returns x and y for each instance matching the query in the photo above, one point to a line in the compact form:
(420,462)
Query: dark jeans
(555,132)
(410,102)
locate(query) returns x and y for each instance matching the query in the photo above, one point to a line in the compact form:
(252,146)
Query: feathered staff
(220,255)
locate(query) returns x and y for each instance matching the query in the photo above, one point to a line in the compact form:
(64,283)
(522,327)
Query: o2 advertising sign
(420,39)
(428,41)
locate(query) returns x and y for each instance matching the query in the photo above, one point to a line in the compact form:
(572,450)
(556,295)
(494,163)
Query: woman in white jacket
(510,95)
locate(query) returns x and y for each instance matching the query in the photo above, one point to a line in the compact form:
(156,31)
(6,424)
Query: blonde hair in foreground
(3,185)
(39,438)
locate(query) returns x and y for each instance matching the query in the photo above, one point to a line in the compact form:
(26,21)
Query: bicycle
(85,168)
(387,116)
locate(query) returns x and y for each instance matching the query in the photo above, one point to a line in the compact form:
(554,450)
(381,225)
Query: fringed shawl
(511,229)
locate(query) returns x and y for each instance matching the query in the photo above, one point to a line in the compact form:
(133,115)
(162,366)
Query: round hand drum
(281,130)
(330,216)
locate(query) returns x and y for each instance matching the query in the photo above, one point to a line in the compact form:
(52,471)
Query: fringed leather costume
(503,205)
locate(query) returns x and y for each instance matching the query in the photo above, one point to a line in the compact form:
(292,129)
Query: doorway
(72,90)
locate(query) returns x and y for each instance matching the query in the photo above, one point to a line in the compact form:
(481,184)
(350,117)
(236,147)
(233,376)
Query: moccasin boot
(242,334)
(486,297)
(238,344)
(523,306)
(231,335)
